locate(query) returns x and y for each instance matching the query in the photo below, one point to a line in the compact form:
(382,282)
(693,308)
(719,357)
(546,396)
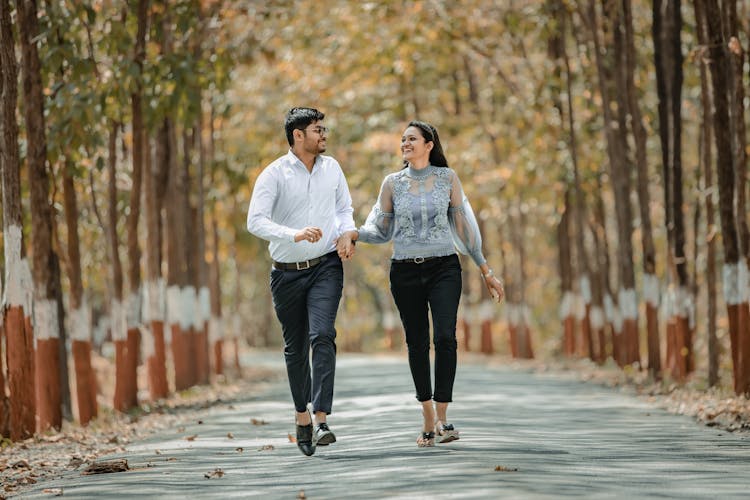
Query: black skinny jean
(306,303)
(433,285)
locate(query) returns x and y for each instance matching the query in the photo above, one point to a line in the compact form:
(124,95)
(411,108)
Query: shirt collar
(294,159)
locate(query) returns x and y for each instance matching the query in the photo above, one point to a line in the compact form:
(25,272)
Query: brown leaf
(230,435)
(266,447)
(256,421)
(214,473)
(58,492)
(301,494)
(107,466)
(200,422)
(240,449)
(292,439)
(21,464)
(191,438)
(502,468)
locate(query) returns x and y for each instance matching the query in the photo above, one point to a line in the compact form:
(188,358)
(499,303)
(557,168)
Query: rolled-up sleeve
(464,226)
(378,227)
(259,220)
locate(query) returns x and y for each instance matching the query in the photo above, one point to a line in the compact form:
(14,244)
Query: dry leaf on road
(214,473)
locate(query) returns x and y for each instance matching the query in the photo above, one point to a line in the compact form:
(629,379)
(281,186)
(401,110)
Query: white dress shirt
(287,198)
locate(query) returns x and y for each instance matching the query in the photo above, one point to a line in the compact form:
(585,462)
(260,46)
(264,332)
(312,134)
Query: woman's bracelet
(489,274)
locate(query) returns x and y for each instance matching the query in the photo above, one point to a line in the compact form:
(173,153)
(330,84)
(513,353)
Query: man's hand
(345,246)
(309,234)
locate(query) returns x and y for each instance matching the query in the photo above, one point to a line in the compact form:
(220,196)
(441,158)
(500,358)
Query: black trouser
(433,284)
(306,303)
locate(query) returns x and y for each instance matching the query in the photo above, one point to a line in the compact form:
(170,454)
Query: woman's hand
(345,245)
(494,286)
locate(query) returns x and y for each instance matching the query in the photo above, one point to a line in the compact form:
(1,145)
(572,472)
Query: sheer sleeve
(464,227)
(378,228)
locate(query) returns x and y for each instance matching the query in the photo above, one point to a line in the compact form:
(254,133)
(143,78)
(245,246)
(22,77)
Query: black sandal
(426,440)
(446,432)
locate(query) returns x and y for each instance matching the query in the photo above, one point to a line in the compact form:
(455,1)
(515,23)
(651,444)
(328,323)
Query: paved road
(554,438)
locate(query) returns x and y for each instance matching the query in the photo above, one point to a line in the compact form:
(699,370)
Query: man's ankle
(303,418)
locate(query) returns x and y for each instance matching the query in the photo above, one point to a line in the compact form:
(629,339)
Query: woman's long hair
(430,134)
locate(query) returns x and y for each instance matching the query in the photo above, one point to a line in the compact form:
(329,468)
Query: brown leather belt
(299,266)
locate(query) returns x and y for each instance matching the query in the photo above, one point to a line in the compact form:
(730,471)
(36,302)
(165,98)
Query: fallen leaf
(75,462)
(21,464)
(191,438)
(256,421)
(200,422)
(266,447)
(58,492)
(214,473)
(230,435)
(171,459)
(240,449)
(180,429)
(502,468)
(301,494)
(158,452)
(107,466)
(291,438)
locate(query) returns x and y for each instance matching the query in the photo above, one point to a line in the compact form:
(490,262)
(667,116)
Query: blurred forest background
(602,145)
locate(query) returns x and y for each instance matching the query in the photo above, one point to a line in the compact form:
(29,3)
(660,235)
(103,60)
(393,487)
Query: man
(301,204)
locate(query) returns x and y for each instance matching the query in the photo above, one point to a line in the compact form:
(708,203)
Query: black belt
(415,260)
(300,266)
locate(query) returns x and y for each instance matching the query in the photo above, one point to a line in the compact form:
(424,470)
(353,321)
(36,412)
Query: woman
(424,210)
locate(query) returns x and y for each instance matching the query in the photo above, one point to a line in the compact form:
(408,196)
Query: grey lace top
(426,214)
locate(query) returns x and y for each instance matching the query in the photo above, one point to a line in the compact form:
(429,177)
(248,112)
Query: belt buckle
(418,260)
(306,265)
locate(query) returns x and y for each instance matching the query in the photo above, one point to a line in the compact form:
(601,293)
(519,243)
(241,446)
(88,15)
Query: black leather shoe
(323,435)
(304,439)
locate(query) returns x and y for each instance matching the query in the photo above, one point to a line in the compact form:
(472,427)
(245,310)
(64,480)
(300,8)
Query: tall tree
(621,186)
(725,175)
(46,319)
(667,26)
(706,159)
(19,340)
(736,56)
(638,129)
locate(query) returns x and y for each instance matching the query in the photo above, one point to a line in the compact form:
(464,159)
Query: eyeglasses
(318,130)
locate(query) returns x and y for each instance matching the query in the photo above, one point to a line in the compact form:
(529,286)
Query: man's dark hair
(300,118)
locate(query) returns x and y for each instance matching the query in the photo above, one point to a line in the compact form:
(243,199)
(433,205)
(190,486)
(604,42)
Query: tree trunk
(736,56)
(619,176)
(154,291)
(19,408)
(705,156)
(134,300)
(566,278)
(216,327)
(601,245)
(722,137)
(122,400)
(46,320)
(650,281)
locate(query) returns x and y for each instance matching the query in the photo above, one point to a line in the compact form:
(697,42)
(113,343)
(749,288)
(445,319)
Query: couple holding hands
(302,206)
